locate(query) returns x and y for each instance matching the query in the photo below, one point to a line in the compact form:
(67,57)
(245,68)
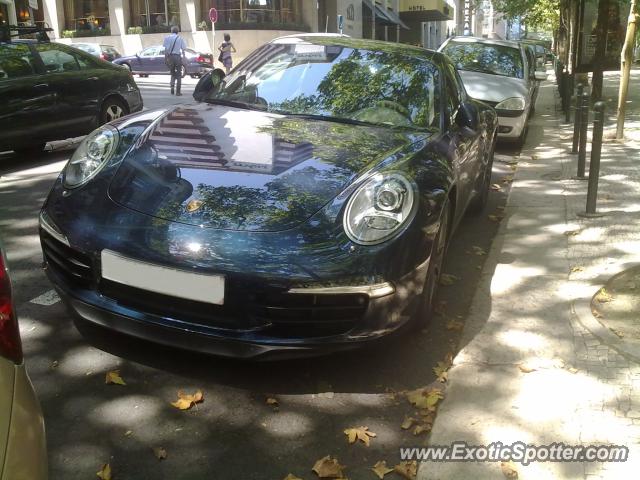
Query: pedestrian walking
(174,47)
(226,48)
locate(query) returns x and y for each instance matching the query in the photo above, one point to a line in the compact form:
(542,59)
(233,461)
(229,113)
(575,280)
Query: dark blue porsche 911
(304,207)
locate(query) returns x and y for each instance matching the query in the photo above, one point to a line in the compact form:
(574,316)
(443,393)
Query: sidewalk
(535,365)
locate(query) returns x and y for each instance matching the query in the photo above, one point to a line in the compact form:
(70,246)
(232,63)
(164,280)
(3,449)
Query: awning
(425,10)
(386,17)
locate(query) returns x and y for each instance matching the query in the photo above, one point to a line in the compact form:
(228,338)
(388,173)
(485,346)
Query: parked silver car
(23,453)
(499,73)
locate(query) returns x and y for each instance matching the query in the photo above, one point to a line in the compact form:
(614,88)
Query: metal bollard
(576,124)
(582,144)
(568,90)
(594,162)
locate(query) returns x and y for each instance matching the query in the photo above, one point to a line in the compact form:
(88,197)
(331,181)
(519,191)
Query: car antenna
(9,31)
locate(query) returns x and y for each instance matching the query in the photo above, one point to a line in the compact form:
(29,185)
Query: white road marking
(46,299)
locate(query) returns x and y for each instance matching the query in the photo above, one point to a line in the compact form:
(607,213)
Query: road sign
(213,15)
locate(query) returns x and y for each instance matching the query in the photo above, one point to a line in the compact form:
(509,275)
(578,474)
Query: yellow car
(23,453)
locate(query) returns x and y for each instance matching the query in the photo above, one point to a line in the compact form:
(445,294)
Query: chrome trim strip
(373,291)
(48,226)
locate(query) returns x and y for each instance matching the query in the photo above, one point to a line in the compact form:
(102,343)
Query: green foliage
(540,14)
(100,32)
(134,31)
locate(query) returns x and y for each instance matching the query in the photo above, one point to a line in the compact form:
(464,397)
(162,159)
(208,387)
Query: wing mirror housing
(209,83)
(540,75)
(468,116)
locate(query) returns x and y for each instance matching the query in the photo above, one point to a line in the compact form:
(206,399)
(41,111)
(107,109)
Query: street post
(576,123)
(213,16)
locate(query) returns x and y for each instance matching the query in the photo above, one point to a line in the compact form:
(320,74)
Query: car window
(486,58)
(335,81)
(453,93)
(87,48)
(16,61)
(160,51)
(149,52)
(56,59)
(85,62)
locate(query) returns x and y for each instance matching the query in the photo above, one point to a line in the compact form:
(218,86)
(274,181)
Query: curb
(582,310)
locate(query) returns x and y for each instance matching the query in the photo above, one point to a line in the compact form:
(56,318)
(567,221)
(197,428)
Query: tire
(183,72)
(112,109)
(479,201)
(522,138)
(31,150)
(436,261)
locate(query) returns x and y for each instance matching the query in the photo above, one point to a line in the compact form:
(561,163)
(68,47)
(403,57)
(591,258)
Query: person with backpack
(226,48)
(174,47)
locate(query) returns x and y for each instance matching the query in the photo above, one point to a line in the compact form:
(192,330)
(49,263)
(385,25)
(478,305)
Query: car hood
(493,88)
(237,169)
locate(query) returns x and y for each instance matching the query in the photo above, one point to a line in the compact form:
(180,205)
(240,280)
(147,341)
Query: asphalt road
(234,433)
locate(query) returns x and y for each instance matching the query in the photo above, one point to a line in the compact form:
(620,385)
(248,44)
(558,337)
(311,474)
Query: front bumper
(26,454)
(511,127)
(260,318)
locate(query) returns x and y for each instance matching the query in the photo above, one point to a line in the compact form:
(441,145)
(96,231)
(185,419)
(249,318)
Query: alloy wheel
(113,112)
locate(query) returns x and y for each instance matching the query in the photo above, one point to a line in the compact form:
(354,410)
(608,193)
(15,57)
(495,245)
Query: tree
(536,14)
(626,59)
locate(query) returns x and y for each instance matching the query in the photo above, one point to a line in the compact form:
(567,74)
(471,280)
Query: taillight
(103,56)
(201,59)
(10,346)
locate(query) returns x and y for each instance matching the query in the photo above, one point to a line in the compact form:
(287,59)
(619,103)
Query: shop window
(155,15)
(87,17)
(259,14)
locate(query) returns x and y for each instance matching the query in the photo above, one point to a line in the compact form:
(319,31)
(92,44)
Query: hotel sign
(466,17)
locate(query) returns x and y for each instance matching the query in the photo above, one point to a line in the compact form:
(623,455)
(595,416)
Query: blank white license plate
(164,280)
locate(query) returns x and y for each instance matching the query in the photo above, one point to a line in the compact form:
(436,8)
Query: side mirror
(138,54)
(541,76)
(467,116)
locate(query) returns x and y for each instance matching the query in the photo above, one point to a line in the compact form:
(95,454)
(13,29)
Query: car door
(465,142)
(76,87)
(27,101)
(144,60)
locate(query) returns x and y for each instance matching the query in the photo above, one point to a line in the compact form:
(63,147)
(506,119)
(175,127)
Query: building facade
(131,25)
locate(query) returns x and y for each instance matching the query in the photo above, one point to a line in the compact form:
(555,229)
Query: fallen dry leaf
(328,467)
(54,364)
(596,313)
(524,368)
(440,308)
(160,453)
(272,402)
(603,296)
(496,187)
(448,359)
(407,469)
(407,423)
(381,469)
(128,433)
(425,398)
(576,269)
(618,333)
(291,476)
(509,469)
(422,428)
(359,433)
(448,279)
(572,233)
(186,401)
(573,370)
(441,371)
(507,179)
(494,218)
(114,378)
(478,251)
(454,325)
(105,472)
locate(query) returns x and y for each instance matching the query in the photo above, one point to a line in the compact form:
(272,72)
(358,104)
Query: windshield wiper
(235,103)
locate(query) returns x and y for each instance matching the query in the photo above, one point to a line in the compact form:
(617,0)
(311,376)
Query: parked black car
(150,61)
(304,207)
(105,52)
(49,91)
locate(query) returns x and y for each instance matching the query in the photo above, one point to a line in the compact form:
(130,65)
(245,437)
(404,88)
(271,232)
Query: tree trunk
(601,46)
(626,59)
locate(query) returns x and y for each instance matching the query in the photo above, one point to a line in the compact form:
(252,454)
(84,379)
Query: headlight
(378,209)
(90,156)
(513,103)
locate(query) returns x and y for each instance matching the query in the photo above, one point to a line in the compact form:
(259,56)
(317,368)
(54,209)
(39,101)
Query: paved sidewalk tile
(530,369)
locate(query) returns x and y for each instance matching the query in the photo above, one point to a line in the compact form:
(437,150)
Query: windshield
(486,58)
(336,83)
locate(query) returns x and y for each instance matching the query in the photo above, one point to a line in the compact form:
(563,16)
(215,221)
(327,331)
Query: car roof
(349,42)
(488,41)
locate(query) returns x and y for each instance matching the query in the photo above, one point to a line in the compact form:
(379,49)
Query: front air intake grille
(74,266)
